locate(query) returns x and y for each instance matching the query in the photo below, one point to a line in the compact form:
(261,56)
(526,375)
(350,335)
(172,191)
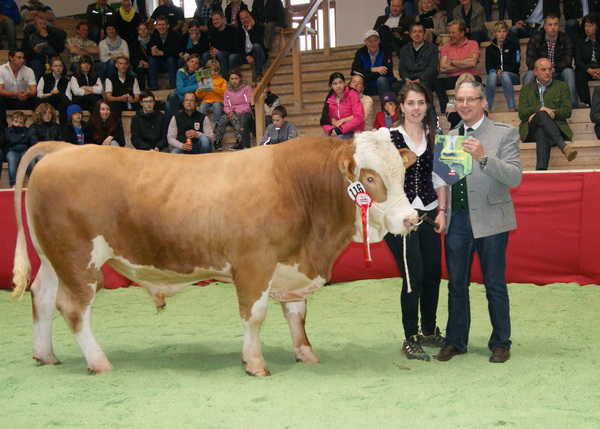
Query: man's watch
(451,62)
(484,161)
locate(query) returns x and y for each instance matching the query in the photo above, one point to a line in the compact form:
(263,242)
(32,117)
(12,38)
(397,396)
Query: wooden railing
(292,44)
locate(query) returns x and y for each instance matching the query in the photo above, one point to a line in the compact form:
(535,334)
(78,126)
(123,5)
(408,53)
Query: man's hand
(382,70)
(548,110)
(213,52)
(519,25)
(474,147)
(250,59)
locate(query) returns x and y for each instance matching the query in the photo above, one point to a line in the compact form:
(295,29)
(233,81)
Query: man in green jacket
(544,107)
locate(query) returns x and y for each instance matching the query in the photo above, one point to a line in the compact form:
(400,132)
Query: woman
(238,112)
(426,191)
(343,113)
(185,81)
(433,19)
(232,11)
(587,56)
(55,89)
(213,98)
(85,85)
(110,47)
(104,127)
(127,20)
(44,127)
(357,83)
(192,42)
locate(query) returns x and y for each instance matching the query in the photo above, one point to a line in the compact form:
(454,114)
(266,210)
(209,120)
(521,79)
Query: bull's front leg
(295,313)
(252,355)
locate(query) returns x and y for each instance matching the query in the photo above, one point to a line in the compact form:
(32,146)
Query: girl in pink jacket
(343,113)
(237,112)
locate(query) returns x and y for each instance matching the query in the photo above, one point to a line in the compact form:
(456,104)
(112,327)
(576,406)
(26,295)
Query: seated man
(471,13)
(9,18)
(98,14)
(189,130)
(122,89)
(374,62)
(393,28)
(418,60)
(528,17)
(253,39)
(271,14)
(458,56)
(587,57)
(163,49)
(595,111)
(18,89)
(225,44)
(82,45)
(173,13)
(555,45)
(41,46)
(148,126)
(34,8)
(544,107)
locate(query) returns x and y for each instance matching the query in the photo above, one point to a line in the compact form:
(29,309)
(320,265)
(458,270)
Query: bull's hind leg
(75,305)
(295,313)
(43,300)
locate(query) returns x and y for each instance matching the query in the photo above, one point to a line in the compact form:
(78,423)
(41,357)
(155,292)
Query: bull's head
(379,167)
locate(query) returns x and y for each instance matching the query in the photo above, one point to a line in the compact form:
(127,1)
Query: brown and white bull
(272,220)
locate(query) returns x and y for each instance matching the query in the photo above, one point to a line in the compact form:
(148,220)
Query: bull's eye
(370,179)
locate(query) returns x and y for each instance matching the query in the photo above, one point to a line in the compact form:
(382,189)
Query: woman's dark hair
(428,121)
(102,129)
(592,18)
(325,119)
(86,59)
(192,24)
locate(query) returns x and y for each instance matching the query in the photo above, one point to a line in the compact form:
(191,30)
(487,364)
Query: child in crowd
(74,131)
(44,127)
(214,98)
(343,114)
(238,112)
(388,115)
(55,89)
(271,102)
(280,129)
(16,143)
(502,64)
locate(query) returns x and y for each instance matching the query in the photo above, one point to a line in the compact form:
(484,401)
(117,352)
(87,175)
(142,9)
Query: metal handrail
(258,97)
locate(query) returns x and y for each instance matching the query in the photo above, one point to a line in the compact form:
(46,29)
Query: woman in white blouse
(86,86)
(109,48)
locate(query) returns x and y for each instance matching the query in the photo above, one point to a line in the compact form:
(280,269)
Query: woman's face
(111,32)
(193,64)
(194,32)
(234,80)
(47,115)
(590,28)
(57,67)
(85,67)
(414,107)
(427,5)
(338,85)
(104,112)
(126,5)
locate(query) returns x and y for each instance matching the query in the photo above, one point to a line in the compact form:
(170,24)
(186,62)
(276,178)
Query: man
(528,16)
(189,130)
(458,56)
(40,47)
(393,28)
(81,45)
(272,14)
(18,87)
(122,89)
(225,45)
(173,13)
(418,60)
(9,18)
(253,38)
(34,8)
(480,215)
(148,126)
(574,11)
(544,107)
(374,63)
(595,111)
(138,51)
(163,50)
(471,13)
(555,45)
(98,14)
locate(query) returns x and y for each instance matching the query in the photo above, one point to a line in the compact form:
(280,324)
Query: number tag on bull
(356,188)
(359,194)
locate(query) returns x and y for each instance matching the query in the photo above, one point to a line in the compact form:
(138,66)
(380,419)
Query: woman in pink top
(238,113)
(343,113)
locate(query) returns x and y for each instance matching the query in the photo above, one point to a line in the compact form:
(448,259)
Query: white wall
(354,18)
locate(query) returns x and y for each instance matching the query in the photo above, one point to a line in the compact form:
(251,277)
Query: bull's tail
(22,266)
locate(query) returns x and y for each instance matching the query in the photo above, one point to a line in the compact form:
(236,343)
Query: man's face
(456,36)
(396,8)
(465,2)
(501,34)
(417,34)
(469,104)
(189,102)
(218,21)
(122,65)
(277,121)
(162,27)
(590,28)
(245,18)
(543,71)
(40,25)
(358,83)
(551,26)
(83,32)
(372,43)
(148,104)
(18,60)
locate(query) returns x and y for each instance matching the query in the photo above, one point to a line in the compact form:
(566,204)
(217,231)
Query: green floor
(181,368)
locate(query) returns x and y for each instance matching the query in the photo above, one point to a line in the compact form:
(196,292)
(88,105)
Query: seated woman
(343,113)
(86,86)
(44,127)
(111,47)
(55,89)
(185,82)
(587,56)
(127,20)
(213,98)
(104,127)
(433,20)
(357,83)
(238,112)
(192,42)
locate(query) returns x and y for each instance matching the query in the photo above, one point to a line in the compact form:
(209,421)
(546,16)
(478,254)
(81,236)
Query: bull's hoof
(306,355)
(100,369)
(258,372)
(48,360)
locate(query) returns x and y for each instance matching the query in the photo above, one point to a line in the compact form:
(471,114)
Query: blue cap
(73,108)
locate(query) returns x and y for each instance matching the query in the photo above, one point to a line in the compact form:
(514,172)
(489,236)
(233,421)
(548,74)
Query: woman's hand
(107,140)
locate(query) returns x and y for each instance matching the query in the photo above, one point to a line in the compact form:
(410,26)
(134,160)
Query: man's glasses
(469,100)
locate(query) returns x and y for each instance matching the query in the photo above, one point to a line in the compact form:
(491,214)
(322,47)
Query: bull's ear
(347,167)
(408,157)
